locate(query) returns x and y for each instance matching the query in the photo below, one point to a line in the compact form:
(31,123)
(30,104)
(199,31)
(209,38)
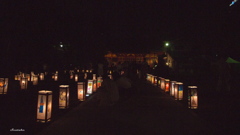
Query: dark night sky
(30,27)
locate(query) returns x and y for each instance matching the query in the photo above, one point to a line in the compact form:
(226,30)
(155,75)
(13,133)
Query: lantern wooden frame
(192,97)
(81,90)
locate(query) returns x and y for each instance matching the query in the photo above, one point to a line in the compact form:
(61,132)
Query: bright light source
(166,44)
(61,45)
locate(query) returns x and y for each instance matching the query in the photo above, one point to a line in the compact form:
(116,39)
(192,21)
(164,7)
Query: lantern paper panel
(81,91)
(3,85)
(64,96)
(94,77)
(76,77)
(44,106)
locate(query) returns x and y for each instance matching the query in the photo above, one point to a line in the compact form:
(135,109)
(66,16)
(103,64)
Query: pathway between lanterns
(148,112)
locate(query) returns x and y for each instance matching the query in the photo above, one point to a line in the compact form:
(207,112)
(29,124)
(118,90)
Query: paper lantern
(167,87)
(94,77)
(28,77)
(44,106)
(3,85)
(94,85)
(172,83)
(24,83)
(35,79)
(64,96)
(180,91)
(76,77)
(89,87)
(99,82)
(85,75)
(192,97)
(163,84)
(176,91)
(55,77)
(110,76)
(41,76)
(81,90)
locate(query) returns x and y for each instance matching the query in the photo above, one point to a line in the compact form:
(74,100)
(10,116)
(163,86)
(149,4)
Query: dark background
(31,29)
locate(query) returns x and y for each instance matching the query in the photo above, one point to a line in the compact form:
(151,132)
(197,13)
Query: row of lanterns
(44,105)
(175,89)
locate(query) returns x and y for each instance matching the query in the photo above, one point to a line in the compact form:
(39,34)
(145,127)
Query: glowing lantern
(163,84)
(55,77)
(81,91)
(155,80)
(17,77)
(44,106)
(89,87)
(24,82)
(85,75)
(87,71)
(76,77)
(3,85)
(180,91)
(110,76)
(167,85)
(99,81)
(94,77)
(35,79)
(28,77)
(41,76)
(63,96)
(192,97)
(172,83)
(94,85)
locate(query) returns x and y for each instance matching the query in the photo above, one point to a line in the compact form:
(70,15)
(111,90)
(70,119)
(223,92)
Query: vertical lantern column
(44,106)
(63,96)
(35,79)
(3,85)
(76,77)
(192,97)
(41,76)
(81,90)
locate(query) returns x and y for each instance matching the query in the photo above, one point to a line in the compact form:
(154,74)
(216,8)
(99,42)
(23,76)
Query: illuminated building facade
(150,58)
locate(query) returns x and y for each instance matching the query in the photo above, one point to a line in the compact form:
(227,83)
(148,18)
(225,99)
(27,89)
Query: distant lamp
(55,77)
(81,90)
(24,82)
(28,77)
(167,44)
(44,106)
(63,96)
(85,75)
(192,97)
(3,85)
